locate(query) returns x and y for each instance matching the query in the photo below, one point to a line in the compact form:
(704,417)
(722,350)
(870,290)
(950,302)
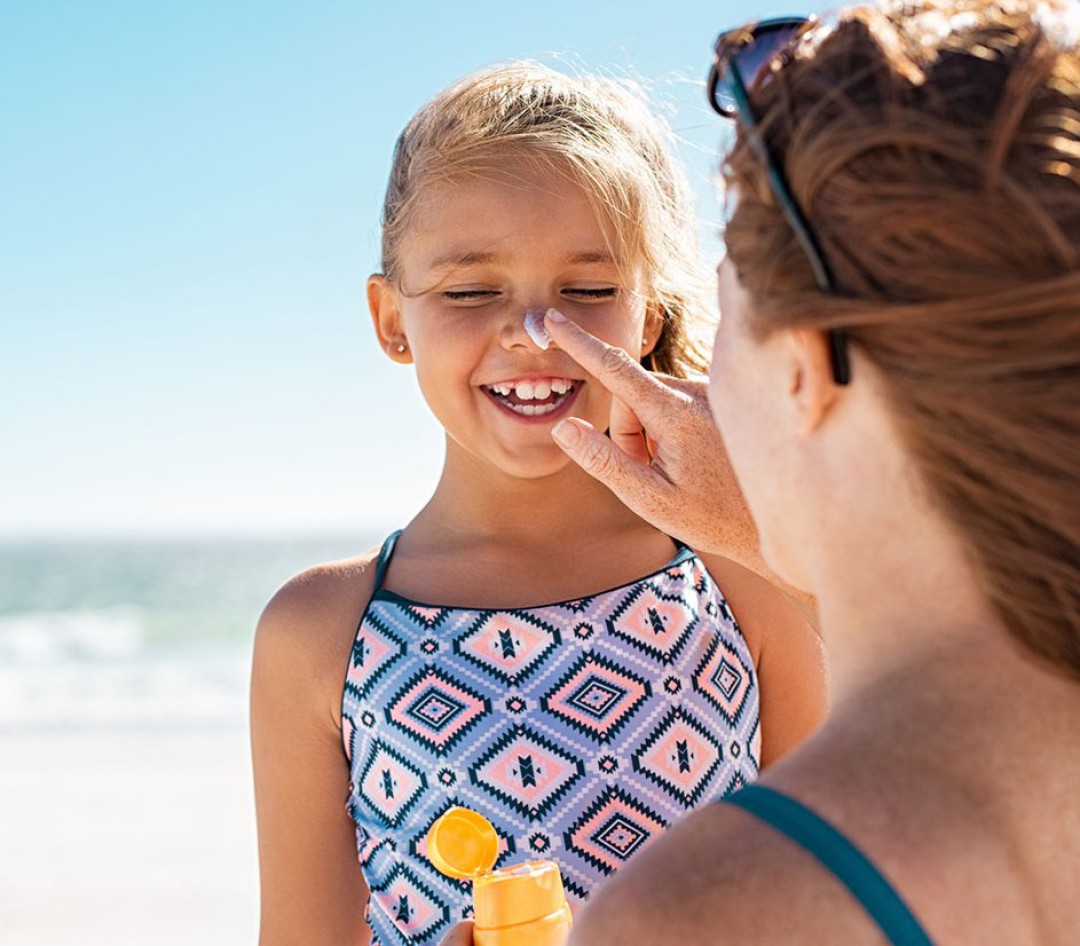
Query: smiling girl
(526,646)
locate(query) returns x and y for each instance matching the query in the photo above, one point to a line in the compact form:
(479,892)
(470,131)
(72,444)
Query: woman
(897,381)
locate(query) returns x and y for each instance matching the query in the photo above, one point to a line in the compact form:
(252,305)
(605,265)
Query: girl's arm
(312,890)
(788,654)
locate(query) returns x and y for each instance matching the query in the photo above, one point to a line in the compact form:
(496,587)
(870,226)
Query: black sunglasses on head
(743,56)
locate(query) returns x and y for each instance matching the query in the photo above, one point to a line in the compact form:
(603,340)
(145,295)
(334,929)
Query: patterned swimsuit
(580,729)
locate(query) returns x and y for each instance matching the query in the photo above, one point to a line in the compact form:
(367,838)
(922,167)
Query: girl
(526,646)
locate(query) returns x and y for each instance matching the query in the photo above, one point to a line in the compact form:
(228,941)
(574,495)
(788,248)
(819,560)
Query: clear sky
(189,199)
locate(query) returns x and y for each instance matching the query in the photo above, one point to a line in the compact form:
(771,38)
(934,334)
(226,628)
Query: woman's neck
(888,607)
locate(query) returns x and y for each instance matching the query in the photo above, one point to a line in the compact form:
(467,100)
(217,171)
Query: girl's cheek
(616,326)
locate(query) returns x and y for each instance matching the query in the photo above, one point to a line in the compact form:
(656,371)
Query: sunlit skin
(740,375)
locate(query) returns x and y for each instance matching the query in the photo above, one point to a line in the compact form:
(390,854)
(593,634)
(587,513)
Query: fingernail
(566,434)
(555,315)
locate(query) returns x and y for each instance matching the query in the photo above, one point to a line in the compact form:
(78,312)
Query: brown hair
(598,132)
(934,147)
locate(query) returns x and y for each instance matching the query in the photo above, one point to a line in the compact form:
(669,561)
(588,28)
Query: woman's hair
(934,148)
(602,136)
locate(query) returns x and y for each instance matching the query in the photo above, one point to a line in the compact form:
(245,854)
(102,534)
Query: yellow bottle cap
(462,844)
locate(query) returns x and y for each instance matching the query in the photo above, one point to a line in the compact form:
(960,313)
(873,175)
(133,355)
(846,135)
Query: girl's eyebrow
(477,258)
(593,257)
(468,258)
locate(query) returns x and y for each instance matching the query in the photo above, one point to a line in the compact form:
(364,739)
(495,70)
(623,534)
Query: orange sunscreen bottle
(514,906)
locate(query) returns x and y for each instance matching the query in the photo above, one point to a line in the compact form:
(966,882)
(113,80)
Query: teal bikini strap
(384,558)
(840,856)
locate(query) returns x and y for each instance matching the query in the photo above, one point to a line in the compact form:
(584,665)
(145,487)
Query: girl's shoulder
(761,610)
(306,631)
(787,653)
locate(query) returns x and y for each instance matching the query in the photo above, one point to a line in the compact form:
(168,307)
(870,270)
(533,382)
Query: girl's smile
(536,400)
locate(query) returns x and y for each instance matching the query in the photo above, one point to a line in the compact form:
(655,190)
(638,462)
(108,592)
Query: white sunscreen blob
(534,325)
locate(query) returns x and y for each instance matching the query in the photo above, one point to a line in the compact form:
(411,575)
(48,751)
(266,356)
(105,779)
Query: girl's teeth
(539,390)
(532,410)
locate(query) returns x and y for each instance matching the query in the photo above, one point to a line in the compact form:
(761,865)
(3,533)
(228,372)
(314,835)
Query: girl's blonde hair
(934,146)
(598,132)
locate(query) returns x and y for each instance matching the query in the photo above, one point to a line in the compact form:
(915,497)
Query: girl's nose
(534,326)
(527,329)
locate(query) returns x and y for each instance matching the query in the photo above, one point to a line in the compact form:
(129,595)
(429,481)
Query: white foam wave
(42,637)
(80,669)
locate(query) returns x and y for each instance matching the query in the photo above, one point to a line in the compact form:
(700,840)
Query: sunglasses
(742,57)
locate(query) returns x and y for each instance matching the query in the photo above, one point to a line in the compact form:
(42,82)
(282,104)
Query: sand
(127,838)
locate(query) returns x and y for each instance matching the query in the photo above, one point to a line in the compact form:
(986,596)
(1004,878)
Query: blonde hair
(598,132)
(934,147)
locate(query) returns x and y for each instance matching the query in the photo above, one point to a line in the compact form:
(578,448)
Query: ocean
(138,634)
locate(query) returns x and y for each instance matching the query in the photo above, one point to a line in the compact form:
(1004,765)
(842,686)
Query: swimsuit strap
(384,558)
(850,866)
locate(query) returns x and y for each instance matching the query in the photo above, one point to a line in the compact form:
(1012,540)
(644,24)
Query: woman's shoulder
(720,876)
(729,873)
(723,875)
(307,628)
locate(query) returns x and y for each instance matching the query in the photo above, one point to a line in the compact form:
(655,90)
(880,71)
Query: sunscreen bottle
(522,905)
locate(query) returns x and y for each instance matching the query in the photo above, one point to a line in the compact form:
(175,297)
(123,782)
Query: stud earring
(400,348)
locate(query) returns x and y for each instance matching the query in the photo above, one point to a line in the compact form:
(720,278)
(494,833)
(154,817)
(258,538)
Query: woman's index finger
(611,366)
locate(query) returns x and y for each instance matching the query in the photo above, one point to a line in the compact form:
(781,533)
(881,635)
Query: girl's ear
(654,327)
(384,303)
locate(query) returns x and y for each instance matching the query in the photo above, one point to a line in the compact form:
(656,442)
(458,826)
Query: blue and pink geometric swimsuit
(580,729)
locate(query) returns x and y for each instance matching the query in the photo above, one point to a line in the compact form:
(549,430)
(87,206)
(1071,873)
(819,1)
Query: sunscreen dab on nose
(534,325)
(522,905)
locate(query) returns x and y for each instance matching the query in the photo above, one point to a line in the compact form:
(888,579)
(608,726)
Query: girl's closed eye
(471,295)
(591,293)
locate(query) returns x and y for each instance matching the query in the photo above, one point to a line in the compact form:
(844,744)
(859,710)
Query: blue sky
(188,211)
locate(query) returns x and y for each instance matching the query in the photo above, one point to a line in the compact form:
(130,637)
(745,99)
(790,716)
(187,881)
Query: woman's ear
(812,385)
(384,304)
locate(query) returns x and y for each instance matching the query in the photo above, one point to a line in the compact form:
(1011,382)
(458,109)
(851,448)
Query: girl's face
(483,251)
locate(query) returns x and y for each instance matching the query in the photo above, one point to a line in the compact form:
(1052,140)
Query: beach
(126,804)
(127,838)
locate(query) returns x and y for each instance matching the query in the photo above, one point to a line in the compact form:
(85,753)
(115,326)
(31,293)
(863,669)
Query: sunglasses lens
(751,58)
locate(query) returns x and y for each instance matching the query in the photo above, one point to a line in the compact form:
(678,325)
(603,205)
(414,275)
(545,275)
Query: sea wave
(43,637)
(82,669)
(117,633)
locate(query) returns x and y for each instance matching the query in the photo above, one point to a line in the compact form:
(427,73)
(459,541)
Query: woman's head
(597,133)
(934,149)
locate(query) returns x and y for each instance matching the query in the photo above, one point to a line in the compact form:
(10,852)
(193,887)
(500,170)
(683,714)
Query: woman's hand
(665,458)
